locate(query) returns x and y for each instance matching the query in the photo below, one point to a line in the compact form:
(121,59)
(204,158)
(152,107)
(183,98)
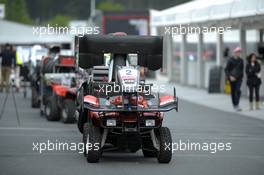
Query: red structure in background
(130,22)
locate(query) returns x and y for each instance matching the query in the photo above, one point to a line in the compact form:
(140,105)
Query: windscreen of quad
(92,47)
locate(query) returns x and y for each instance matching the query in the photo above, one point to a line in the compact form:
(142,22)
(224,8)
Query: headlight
(111,122)
(150,122)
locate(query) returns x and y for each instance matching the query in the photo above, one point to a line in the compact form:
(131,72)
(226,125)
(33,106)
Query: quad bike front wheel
(164,153)
(82,119)
(51,109)
(92,141)
(147,147)
(68,111)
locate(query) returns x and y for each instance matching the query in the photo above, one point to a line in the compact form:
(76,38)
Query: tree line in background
(60,12)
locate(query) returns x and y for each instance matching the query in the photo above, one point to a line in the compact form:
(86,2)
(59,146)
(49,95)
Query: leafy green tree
(110,6)
(16,10)
(60,20)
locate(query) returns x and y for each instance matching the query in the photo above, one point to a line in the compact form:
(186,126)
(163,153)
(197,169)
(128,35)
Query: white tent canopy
(16,33)
(205,11)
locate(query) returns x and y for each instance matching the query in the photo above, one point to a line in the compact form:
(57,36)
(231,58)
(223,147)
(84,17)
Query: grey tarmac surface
(192,123)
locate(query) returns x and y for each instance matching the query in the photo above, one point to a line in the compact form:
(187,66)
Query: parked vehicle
(58,88)
(126,119)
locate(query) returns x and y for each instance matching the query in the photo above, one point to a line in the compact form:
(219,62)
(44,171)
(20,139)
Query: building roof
(213,11)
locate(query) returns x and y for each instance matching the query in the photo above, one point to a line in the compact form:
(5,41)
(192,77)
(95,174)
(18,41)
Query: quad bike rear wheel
(34,98)
(92,141)
(68,111)
(51,109)
(165,152)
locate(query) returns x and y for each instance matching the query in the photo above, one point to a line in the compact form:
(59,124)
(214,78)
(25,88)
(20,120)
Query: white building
(246,19)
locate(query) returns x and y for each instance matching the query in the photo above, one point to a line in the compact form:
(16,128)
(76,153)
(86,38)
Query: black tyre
(82,119)
(82,113)
(68,111)
(34,99)
(51,109)
(92,136)
(85,135)
(164,137)
(148,148)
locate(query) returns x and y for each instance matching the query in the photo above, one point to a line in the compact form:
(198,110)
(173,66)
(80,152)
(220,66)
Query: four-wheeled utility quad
(37,74)
(35,86)
(115,109)
(58,88)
